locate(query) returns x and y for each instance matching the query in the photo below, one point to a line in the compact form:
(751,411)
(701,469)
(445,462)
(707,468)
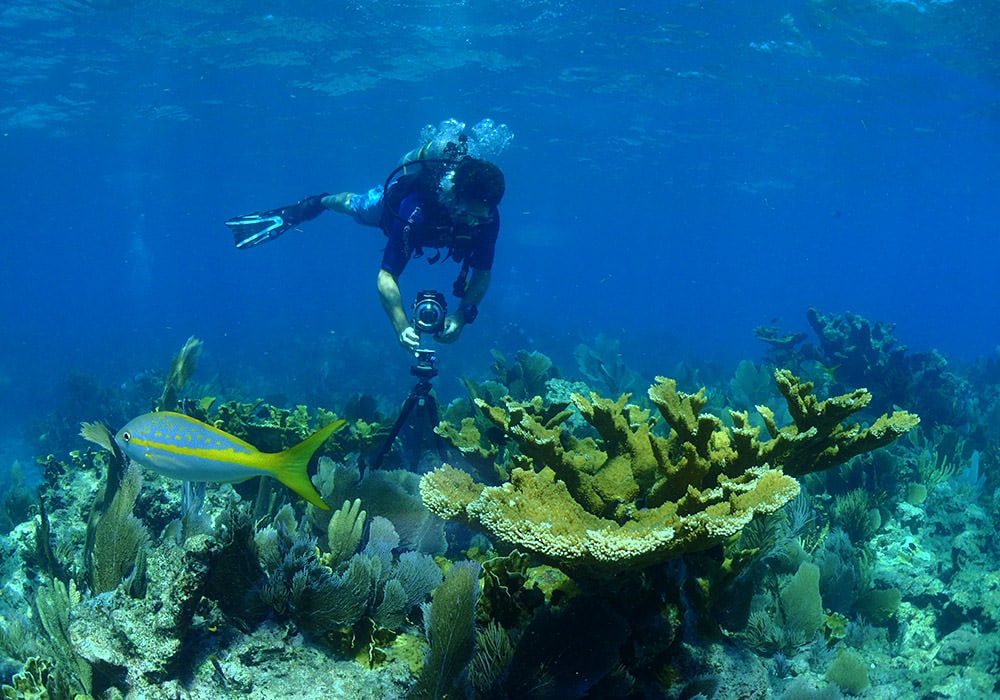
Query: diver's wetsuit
(420,224)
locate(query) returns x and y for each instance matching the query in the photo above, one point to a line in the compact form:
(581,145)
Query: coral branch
(635,498)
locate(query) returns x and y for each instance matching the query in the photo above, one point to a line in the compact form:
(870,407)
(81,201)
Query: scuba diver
(442,196)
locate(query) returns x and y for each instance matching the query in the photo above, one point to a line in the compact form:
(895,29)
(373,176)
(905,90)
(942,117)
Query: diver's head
(477,184)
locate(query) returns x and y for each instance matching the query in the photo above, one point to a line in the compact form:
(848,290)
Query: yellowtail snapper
(180,447)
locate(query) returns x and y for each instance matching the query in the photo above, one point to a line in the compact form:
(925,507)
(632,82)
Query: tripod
(420,398)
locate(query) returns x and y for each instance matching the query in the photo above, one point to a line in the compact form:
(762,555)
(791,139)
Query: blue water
(681,174)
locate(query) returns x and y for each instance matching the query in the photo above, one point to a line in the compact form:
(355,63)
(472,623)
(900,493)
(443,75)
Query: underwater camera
(429,312)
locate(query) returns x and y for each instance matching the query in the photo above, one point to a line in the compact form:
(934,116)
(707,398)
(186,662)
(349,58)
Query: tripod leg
(404,414)
(431,408)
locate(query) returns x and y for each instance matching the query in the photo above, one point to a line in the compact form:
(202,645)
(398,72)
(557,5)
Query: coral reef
(664,547)
(17,499)
(751,384)
(582,664)
(858,348)
(393,495)
(481,455)
(323,593)
(54,606)
(38,679)
(203,572)
(602,365)
(818,440)
(858,352)
(182,368)
(267,427)
(141,641)
(849,672)
(118,539)
(450,624)
(526,376)
(635,498)
(801,605)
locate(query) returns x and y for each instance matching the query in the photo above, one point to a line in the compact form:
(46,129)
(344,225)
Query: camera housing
(429,312)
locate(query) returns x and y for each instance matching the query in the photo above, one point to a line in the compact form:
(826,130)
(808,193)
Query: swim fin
(251,230)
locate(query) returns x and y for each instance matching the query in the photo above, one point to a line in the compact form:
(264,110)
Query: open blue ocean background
(681,173)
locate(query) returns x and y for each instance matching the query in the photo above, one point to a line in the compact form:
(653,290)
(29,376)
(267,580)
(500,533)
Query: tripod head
(424,369)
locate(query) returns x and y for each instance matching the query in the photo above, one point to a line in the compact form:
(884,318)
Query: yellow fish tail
(291,466)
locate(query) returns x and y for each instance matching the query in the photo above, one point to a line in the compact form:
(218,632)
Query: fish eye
(126,436)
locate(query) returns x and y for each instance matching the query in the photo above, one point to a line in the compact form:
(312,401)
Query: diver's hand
(409,339)
(452,329)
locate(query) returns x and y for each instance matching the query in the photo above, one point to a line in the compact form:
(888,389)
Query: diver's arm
(392,302)
(475,292)
(479,282)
